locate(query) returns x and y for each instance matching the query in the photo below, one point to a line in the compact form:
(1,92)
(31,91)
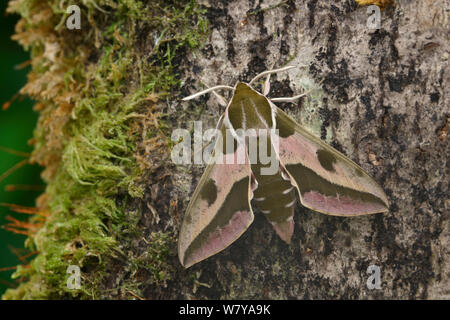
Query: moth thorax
(261,152)
(249,109)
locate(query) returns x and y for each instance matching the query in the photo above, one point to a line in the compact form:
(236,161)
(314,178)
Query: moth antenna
(262,74)
(292,99)
(195,95)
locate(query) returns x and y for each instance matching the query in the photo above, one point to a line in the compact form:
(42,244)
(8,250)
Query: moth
(325,180)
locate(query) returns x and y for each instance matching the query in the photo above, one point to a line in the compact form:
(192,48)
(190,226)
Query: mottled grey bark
(383,103)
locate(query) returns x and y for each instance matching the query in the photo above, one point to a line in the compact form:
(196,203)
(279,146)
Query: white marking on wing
(288,190)
(285,176)
(274,112)
(258,114)
(244,118)
(290,204)
(259,199)
(229,126)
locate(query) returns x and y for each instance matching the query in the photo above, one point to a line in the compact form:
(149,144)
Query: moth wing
(326,180)
(219,210)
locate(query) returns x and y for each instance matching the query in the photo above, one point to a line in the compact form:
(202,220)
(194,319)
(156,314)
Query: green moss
(92,87)
(155,259)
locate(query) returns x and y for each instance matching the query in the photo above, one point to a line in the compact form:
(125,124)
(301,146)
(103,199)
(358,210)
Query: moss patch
(97,92)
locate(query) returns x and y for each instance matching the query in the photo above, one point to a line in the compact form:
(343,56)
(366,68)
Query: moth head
(249,109)
(242,88)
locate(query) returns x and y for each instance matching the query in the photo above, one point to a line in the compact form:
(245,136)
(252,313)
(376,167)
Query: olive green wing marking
(327,181)
(219,211)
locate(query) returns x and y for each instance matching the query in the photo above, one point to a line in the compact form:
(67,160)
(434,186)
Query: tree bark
(384,103)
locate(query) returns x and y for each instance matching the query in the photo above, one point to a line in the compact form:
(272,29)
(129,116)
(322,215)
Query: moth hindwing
(325,180)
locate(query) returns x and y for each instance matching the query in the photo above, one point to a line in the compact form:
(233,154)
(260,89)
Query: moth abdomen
(275,198)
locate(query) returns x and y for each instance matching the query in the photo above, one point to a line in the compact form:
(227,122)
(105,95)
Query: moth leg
(221,99)
(292,99)
(266,86)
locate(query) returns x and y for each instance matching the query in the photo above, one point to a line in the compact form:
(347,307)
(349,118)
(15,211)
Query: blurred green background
(16,128)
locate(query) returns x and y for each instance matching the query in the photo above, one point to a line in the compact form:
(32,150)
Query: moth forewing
(218,213)
(327,181)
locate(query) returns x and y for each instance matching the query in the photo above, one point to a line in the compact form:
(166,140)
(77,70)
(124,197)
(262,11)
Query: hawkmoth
(325,180)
